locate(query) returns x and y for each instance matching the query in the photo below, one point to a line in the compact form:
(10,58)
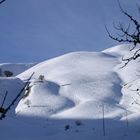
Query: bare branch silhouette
(2,1)
(125,35)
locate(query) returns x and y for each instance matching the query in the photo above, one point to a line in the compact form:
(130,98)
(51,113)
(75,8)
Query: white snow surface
(72,96)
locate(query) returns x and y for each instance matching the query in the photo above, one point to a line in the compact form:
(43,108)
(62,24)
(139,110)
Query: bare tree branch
(2,1)
(125,35)
(129,16)
(117,38)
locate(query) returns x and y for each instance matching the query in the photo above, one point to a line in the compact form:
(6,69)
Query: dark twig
(2,1)
(124,34)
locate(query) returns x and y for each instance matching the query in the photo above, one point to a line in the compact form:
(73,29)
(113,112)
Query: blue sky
(36,30)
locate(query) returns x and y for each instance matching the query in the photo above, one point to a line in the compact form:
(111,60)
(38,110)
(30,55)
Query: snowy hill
(69,95)
(74,77)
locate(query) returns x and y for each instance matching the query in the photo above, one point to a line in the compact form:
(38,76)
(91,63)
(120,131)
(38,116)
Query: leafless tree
(128,34)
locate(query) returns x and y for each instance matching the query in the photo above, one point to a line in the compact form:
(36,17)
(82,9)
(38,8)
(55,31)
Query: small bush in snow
(78,122)
(41,77)
(8,73)
(27,102)
(67,127)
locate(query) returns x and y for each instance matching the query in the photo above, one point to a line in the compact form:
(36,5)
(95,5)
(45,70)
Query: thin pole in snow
(103,120)
(127,123)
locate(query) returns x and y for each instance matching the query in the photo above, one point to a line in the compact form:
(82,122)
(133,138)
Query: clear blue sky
(36,30)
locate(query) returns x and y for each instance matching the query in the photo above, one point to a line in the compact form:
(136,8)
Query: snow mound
(84,79)
(43,100)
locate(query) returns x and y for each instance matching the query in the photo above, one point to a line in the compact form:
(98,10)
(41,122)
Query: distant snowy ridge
(14,68)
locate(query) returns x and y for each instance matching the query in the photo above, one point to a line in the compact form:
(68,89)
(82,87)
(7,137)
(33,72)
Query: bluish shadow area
(25,128)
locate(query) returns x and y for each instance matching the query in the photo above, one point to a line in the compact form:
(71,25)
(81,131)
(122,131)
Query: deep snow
(67,102)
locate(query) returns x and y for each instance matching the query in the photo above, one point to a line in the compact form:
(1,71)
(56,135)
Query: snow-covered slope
(69,95)
(14,68)
(80,81)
